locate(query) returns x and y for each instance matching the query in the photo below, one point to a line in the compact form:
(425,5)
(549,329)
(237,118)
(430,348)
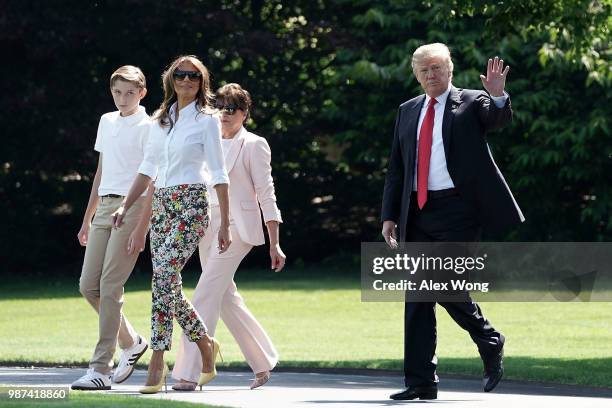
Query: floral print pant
(180,218)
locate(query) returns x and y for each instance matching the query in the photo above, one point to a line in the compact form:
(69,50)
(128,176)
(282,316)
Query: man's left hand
(495,81)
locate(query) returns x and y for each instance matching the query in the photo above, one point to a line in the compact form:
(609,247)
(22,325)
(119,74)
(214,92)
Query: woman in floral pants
(184,143)
(180,217)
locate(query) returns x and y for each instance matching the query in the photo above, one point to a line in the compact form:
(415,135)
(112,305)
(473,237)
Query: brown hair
(234,93)
(203,98)
(131,74)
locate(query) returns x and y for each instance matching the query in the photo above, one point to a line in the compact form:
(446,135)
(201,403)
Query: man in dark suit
(442,184)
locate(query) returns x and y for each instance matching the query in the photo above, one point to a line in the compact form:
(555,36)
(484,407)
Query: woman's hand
(118,217)
(83,233)
(225,239)
(277,257)
(139,185)
(137,241)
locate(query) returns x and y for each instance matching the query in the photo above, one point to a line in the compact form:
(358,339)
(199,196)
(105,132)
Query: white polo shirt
(121,140)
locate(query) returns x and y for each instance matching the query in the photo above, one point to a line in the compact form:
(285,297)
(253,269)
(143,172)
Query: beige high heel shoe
(205,378)
(153,389)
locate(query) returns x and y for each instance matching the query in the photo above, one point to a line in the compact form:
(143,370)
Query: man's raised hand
(495,81)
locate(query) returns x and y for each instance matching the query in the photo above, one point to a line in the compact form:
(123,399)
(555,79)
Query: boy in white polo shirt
(111,254)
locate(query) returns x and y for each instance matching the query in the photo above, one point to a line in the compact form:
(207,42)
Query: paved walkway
(292,390)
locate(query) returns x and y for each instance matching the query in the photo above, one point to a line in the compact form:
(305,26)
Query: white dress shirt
(439,178)
(121,140)
(181,154)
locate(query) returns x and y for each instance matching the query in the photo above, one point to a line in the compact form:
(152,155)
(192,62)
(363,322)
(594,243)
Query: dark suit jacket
(468,116)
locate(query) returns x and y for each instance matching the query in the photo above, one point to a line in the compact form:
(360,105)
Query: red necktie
(425,136)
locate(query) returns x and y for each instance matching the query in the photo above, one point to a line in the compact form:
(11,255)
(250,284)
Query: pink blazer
(251,186)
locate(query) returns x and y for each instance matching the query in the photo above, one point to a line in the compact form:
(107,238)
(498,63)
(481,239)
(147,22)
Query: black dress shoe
(424,392)
(494,370)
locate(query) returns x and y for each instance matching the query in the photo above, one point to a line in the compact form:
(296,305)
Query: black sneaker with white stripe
(92,381)
(128,359)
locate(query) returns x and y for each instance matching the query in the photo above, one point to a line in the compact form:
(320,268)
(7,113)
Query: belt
(112,196)
(435,194)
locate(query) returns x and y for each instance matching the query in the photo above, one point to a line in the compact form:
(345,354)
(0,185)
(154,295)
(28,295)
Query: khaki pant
(106,268)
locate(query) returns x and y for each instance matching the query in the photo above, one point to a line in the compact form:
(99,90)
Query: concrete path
(290,389)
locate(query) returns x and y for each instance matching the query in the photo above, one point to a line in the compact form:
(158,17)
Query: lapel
(411,128)
(452,103)
(232,154)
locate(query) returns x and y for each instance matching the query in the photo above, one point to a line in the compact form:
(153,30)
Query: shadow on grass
(307,279)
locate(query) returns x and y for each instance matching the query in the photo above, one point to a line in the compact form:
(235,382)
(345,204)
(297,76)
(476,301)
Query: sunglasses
(230,109)
(192,75)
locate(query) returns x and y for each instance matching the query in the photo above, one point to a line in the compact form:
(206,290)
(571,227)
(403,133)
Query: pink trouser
(216,296)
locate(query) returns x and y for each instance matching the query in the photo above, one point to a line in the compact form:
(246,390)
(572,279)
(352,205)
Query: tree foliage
(326,78)
(556,154)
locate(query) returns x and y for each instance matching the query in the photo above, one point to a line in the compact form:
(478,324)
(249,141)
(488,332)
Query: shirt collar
(133,118)
(239,134)
(440,98)
(190,108)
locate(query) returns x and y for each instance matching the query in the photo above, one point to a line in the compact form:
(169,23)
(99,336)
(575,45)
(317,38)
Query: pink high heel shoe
(260,379)
(184,386)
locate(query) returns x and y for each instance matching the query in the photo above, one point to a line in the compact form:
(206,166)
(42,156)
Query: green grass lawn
(316,319)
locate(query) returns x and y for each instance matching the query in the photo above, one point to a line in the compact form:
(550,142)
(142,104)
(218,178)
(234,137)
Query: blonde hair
(431,50)
(203,98)
(131,74)
(236,94)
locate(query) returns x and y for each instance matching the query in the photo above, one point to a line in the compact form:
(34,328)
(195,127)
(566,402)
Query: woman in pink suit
(247,160)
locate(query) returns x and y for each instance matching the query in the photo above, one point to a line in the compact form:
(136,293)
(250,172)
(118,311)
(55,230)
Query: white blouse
(182,155)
